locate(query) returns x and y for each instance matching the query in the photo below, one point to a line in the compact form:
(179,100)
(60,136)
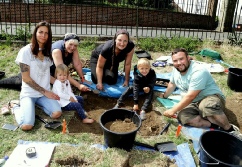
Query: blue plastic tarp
(115,91)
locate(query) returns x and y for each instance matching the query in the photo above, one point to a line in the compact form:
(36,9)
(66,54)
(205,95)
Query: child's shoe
(142,115)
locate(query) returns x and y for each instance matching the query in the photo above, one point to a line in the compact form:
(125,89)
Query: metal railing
(142,18)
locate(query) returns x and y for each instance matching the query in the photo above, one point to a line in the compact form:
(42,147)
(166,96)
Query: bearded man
(202,103)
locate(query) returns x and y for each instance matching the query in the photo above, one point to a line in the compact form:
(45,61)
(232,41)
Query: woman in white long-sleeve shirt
(68,101)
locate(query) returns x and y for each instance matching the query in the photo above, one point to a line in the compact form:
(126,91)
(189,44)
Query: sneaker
(236,132)
(235,128)
(142,115)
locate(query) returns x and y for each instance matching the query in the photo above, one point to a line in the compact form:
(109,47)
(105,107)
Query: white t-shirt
(64,91)
(39,71)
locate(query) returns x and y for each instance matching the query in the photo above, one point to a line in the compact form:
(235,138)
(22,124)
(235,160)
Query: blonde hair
(72,38)
(143,61)
(61,68)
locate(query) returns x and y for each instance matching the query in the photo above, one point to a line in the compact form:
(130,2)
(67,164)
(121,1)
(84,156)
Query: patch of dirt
(233,109)
(96,105)
(72,161)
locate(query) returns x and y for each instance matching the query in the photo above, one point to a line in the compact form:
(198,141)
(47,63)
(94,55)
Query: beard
(183,69)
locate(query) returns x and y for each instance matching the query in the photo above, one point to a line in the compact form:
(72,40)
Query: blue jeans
(76,106)
(25,113)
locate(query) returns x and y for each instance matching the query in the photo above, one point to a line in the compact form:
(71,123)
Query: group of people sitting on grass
(43,63)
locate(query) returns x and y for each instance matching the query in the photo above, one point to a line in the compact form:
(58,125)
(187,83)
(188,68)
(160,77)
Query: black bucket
(120,140)
(235,79)
(219,148)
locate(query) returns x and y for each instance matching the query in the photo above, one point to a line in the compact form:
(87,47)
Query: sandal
(159,64)
(7,109)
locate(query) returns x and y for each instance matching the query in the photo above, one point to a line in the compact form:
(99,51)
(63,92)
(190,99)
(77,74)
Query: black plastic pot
(235,79)
(120,140)
(219,148)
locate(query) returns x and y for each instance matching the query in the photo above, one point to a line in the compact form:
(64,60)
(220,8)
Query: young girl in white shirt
(68,101)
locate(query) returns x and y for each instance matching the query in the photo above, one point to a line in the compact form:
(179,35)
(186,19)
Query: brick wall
(100,15)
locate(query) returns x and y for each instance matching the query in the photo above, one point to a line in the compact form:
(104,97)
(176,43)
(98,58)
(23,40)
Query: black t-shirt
(106,50)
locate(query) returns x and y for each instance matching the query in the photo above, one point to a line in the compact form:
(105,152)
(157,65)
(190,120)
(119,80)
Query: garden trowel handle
(41,119)
(165,128)
(143,145)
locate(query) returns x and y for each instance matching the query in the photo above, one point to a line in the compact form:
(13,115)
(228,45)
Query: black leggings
(107,78)
(14,82)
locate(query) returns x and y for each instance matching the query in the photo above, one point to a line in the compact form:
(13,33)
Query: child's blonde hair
(143,61)
(61,68)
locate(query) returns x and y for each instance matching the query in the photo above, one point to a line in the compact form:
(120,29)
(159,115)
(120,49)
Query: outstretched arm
(77,63)
(170,88)
(99,71)
(57,58)
(127,67)
(186,100)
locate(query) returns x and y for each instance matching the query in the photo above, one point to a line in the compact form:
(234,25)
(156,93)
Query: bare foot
(87,121)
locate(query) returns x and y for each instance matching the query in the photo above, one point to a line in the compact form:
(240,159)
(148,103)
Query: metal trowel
(49,125)
(165,146)
(161,147)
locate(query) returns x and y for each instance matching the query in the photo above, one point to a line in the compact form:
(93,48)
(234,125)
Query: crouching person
(144,81)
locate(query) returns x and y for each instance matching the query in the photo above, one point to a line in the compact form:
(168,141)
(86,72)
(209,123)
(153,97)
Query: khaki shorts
(210,105)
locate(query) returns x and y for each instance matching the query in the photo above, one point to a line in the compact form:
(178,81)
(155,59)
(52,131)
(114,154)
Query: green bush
(160,44)
(88,43)
(22,33)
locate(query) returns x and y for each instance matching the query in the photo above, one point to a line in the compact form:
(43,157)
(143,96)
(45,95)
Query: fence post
(137,21)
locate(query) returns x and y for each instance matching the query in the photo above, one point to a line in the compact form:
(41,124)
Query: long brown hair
(122,31)
(35,45)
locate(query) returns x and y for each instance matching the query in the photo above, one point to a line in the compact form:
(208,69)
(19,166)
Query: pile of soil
(121,126)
